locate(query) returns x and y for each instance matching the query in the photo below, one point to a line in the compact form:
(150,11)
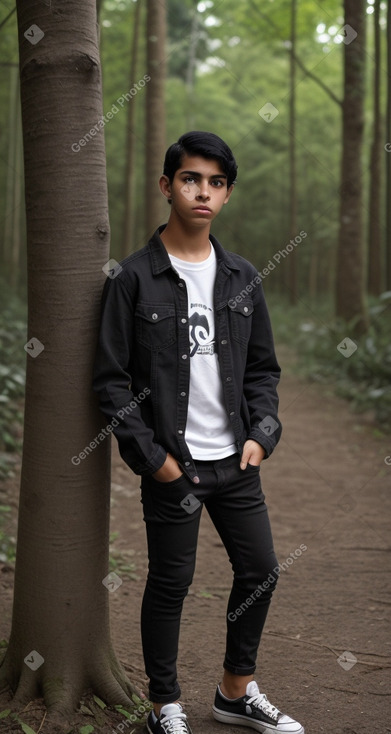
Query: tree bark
(350,277)
(388,155)
(292,263)
(374,234)
(13,109)
(128,228)
(17,202)
(191,67)
(155,204)
(60,604)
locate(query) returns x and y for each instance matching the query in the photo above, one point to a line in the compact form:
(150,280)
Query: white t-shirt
(208,430)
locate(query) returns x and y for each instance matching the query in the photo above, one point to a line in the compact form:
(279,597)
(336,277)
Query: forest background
(269,79)
(301,92)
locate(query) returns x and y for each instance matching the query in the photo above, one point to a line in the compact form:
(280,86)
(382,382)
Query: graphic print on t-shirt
(201,330)
(208,432)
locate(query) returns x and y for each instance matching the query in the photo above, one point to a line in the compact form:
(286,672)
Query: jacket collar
(161,261)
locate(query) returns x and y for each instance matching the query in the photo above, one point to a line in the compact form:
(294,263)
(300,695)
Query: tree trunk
(59,644)
(13,111)
(313,275)
(129,208)
(17,201)
(155,204)
(350,304)
(292,264)
(374,238)
(191,67)
(388,154)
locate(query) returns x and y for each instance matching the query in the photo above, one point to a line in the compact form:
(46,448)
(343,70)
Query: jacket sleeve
(262,375)
(113,382)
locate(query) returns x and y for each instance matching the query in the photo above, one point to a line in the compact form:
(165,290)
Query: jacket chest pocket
(240,316)
(155,325)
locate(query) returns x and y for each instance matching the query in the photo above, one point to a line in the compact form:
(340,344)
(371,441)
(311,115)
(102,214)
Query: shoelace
(175,724)
(260,701)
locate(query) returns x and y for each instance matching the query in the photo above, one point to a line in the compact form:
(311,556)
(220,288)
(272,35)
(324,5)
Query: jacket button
(224,341)
(180,285)
(180,431)
(184,356)
(184,321)
(228,379)
(232,412)
(183,394)
(196,480)
(187,463)
(245,309)
(154,316)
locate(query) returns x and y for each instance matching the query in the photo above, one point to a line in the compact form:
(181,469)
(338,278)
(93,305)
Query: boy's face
(198,190)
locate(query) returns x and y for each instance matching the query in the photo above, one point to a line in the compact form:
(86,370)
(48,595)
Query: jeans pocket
(168,485)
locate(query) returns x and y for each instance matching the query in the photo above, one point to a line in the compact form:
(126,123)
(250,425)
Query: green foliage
(364,378)
(137,714)
(183,19)
(123,711)
(26,728)
(242,61)
(99,702)
(12,372)
(7,544)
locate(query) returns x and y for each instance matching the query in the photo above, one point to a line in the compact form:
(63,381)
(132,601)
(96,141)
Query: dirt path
(327,488)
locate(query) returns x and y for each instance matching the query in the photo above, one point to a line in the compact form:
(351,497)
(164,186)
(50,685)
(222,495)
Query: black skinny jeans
(172,511)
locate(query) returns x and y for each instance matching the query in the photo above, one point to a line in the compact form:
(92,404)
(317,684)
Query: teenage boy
(186,365)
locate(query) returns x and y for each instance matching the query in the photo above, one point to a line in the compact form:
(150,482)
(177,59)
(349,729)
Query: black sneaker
(172,720)
(255,711)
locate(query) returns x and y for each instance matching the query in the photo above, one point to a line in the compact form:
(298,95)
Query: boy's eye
(190,180)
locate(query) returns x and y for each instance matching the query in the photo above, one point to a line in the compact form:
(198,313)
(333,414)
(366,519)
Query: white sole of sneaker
(151,732)
(240,720)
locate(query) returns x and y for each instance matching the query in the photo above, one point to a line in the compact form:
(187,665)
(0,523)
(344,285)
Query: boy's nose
(204,191)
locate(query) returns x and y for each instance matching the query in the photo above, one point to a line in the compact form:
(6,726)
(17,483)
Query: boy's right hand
(169,471)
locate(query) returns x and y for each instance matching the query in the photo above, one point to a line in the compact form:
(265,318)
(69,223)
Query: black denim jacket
(142,364)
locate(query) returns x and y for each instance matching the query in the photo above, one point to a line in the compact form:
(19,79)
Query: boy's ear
(229,192)
(165,186)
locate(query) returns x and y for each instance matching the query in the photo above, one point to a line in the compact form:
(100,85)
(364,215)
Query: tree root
(61,692)
(113,692)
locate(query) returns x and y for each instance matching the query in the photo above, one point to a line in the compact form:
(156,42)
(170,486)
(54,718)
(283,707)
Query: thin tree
(296,60)
(191,67)
(350,277)
(388,154)
(374,234)
(59,644)
(155,128)
(129,208)
(17,201)
(7,240)
(292,264)
(311,75)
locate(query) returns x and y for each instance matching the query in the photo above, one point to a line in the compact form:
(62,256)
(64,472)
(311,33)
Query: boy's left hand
(253,453)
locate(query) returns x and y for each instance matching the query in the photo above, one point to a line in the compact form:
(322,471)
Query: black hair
(204,144)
